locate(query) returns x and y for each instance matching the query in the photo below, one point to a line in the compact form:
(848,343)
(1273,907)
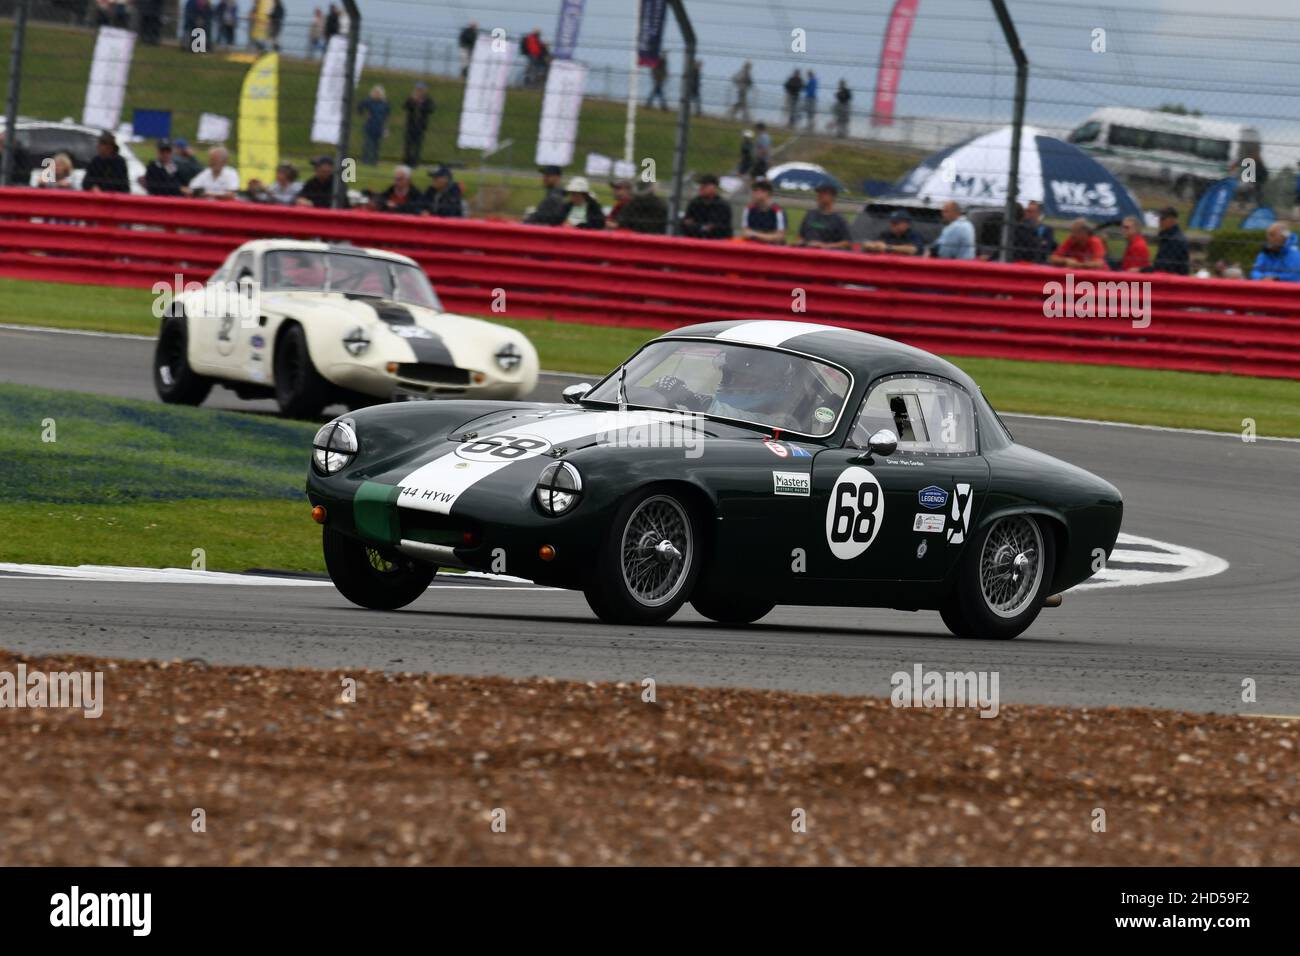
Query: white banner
(485,94)
(560,107)
(108,72)
(325,122)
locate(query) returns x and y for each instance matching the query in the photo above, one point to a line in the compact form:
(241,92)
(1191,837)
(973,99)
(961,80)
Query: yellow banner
(259,121)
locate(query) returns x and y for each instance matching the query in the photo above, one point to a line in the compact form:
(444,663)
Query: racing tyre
(1003,579)
(647,565)
(731,610)
(173,379)
(375,578)
(299,388)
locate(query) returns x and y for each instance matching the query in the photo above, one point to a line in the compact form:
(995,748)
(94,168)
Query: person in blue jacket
(375,110)
(1279,260)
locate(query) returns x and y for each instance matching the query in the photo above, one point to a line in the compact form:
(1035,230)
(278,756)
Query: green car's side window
(930,416)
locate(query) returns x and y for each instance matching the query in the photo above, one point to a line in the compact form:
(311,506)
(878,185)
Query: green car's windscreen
(729,380)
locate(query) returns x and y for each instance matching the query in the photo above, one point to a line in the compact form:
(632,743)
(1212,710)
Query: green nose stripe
(374,512)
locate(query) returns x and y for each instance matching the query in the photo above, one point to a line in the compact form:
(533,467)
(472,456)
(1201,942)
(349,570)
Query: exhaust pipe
(1053,601)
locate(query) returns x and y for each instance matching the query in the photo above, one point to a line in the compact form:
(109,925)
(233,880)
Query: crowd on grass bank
(570,203)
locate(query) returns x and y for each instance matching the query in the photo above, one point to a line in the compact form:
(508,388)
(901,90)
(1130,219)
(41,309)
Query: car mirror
(575,393)
(883,442)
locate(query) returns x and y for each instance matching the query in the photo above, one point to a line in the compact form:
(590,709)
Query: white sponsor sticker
(928,523)
(854,513)
(792,483)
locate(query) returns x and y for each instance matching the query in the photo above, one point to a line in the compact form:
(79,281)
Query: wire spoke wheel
(656,550)
(1011,565)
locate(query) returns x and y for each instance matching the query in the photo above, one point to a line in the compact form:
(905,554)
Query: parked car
(45,139)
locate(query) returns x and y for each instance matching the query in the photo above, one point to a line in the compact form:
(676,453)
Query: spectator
(277,24)
(746,153)
(1081,249)
(106,173)
(286,188)
(319,190)
(810,100)
(316,34)
(162,175)
(659,76)
(644,212)
(1223,269)
(227,21)
(550,211)
(534,51)
(988,246)
(843,106)
(693,75)
(1044,243)
(763,220)
(762,150)
(375,109)
(957,240)
(743,81)
(57,174)
(707,215)
(333,23)
(823,227)
(187,164)
(22,169)
(419,107)
(622,196)
(444,197)
(581,209)
(218,181)
(898,238)
(400,196)
(1279,259)
(793,87)
(468,37)
(1172,254)
(1136,254)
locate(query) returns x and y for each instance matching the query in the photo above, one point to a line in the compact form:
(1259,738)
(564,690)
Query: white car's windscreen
(305,270)
(744,383)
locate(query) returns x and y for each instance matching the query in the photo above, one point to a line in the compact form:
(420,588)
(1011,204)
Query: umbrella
(805,176)
(1066,180)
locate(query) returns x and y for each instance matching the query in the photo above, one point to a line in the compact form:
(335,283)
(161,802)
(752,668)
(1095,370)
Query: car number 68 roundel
(502,449)
(854,513)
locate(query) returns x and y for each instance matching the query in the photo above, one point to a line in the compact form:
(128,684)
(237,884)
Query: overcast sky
(1235,61)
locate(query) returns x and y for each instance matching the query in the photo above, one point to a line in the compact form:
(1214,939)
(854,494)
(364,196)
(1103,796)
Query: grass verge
(1109,393)
(136,483)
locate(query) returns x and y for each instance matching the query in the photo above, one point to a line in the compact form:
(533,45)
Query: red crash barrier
(615,277)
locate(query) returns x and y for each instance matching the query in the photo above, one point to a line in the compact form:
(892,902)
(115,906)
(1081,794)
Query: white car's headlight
(334,447)
(356,341)
(558,488)
(509,356)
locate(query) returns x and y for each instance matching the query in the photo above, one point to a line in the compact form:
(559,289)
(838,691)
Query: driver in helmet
(754,385)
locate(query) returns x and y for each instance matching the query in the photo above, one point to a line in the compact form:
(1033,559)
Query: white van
(1186,152)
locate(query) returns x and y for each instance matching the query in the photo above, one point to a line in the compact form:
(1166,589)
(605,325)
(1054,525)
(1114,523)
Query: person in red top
(1136,254)
(1081,248)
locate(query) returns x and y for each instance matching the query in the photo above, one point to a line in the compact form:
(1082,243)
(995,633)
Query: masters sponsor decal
(792,483)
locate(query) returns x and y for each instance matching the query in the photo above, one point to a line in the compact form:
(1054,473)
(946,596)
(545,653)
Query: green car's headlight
(334,447)
(558,488)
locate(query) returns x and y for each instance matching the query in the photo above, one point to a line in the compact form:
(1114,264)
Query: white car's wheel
(173,379)
(299,389)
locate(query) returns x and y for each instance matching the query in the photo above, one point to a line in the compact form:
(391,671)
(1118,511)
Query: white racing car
(309,324)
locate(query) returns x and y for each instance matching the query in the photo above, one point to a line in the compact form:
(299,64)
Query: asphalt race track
(1185,645)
